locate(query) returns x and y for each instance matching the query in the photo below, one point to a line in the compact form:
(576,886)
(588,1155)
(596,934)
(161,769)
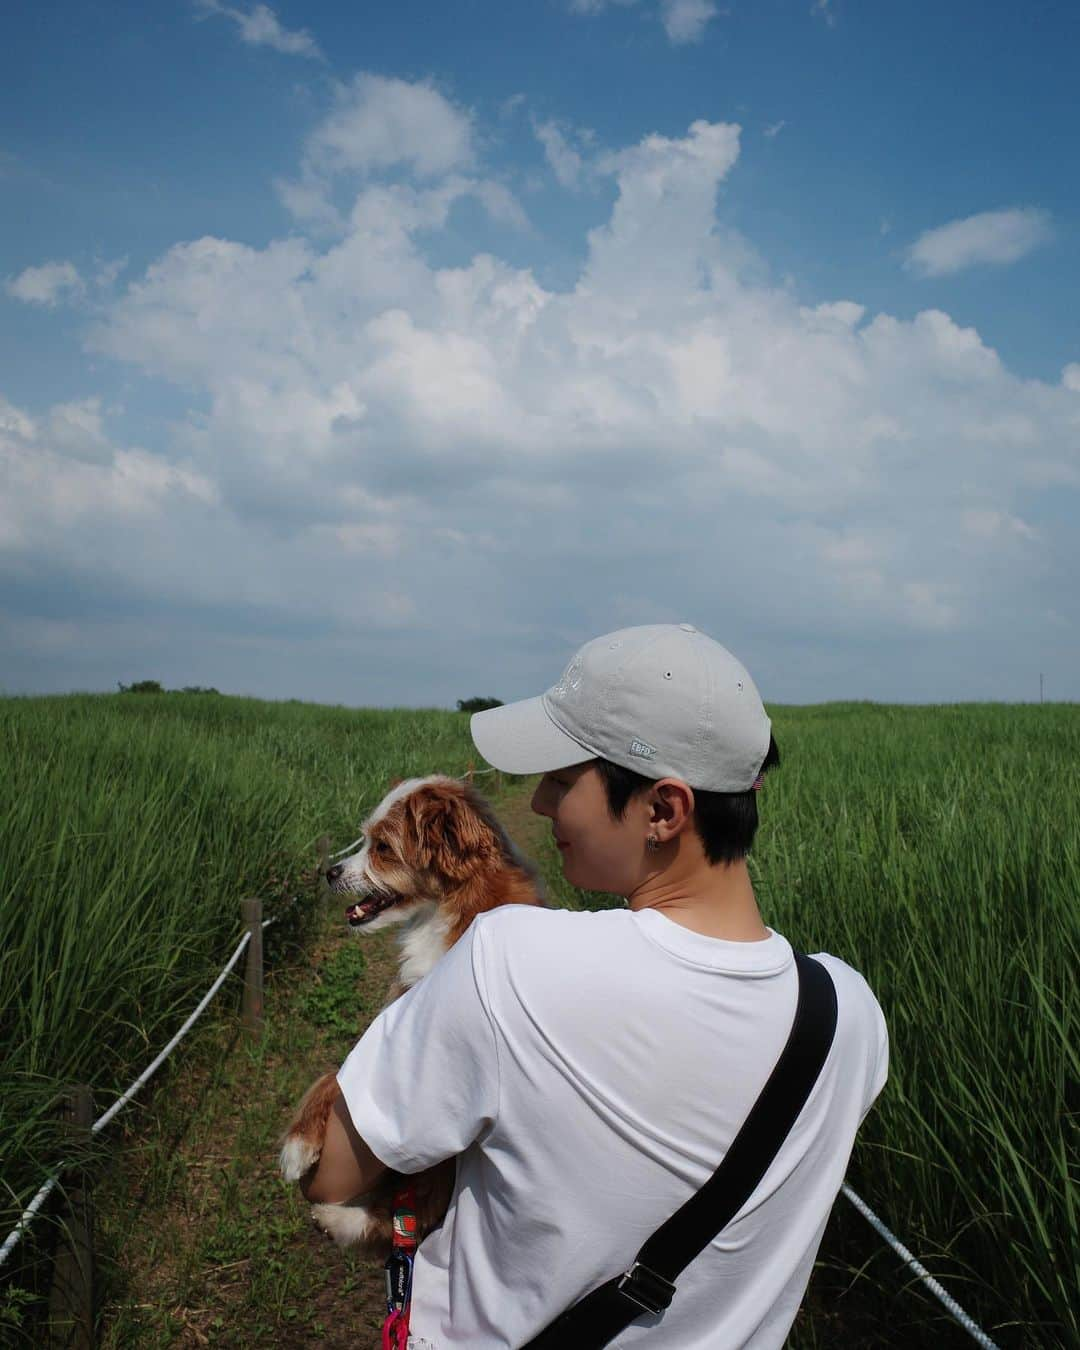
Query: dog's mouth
(365,910)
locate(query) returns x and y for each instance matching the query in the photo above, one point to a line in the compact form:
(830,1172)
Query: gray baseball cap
(663,699)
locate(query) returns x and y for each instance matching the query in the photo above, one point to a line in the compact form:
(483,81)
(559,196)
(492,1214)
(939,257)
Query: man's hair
(726,822)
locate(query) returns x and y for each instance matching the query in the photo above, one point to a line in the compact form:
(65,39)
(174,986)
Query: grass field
(936,849)
(133,826)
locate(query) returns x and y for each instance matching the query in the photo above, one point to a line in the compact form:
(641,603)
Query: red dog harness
(399,1268)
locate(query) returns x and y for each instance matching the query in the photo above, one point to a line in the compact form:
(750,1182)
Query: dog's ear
(453,839)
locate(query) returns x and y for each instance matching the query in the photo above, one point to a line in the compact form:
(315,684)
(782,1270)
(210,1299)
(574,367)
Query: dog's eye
(383,848)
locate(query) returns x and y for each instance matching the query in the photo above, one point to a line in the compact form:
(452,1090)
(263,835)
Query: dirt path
(202,1242)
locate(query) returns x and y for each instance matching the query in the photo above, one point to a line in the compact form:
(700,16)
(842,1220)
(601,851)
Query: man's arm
(346,1166)
(422,1083)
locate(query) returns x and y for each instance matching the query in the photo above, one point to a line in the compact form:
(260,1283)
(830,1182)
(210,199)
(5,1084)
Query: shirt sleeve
(881,1060)
(862,1029)
(422,1083)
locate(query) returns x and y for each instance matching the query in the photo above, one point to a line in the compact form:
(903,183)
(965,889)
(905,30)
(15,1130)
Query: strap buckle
(398,1272)
(646,1288)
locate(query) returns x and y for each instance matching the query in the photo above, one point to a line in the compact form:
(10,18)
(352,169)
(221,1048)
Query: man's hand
(346,1166)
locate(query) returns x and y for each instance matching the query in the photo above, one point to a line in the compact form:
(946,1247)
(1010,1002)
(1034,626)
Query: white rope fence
(152,1068)
(970,1326)
(43,1194)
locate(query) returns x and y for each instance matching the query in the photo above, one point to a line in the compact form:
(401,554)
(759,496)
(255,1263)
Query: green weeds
(331,1002)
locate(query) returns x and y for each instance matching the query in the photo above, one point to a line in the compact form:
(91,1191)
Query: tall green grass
(132,827)
(937,849)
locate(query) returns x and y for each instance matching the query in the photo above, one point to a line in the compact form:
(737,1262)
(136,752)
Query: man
(592,1068)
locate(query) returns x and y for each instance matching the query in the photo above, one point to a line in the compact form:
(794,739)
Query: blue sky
(385,354)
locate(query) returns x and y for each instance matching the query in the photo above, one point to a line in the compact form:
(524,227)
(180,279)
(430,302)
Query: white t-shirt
(591,1069)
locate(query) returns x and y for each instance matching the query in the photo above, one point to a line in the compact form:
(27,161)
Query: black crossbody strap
(649,1284)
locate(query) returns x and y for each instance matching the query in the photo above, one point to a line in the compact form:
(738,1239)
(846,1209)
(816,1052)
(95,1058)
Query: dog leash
(399,1269)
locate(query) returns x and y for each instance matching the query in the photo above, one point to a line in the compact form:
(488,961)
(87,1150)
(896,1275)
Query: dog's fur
(433,857)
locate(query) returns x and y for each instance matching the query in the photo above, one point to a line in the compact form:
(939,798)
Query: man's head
(603,818)
(652,733)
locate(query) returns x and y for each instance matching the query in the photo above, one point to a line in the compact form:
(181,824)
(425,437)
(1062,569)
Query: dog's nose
(332,873)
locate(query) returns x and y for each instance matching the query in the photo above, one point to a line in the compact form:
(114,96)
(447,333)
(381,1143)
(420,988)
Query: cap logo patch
(569,682)
(643,749)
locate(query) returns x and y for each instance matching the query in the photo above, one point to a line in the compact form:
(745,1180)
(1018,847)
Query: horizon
(440,708)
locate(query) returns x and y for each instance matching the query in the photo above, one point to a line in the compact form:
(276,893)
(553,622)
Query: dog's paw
(346,1224)
(297,1157)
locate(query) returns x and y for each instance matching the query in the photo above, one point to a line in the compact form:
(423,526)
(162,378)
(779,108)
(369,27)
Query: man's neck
(716,901)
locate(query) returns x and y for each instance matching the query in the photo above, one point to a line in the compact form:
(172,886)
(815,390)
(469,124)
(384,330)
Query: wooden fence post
(322,849)
(252,1007)
(71,1296)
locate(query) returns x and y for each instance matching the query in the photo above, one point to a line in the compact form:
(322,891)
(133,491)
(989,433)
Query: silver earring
(652,843)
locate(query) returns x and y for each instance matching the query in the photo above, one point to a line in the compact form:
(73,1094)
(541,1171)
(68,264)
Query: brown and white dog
(434,856)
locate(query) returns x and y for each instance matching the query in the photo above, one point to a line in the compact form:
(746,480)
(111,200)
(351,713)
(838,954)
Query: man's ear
(673,801)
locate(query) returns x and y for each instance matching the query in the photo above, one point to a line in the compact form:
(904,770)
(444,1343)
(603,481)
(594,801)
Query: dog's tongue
(364,910)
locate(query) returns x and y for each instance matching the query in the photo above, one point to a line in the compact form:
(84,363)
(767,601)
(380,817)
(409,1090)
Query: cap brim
(522,738)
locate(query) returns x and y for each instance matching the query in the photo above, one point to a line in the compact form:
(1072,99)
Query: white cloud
(1070,376)
(927,605)
(989,237)
(566,163)
(384,539)
(380,443)
(822,9)
(774,129)
(661,342)
(381,123)
(260,27)
(850,548)
(987,523)
(108,272)
(846,313)
(309,200)
(685,20)
(500,203)
(597,6)
(47,285)
(56,282)
(76,429)
(47,493)
(14,423)
(379,126)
